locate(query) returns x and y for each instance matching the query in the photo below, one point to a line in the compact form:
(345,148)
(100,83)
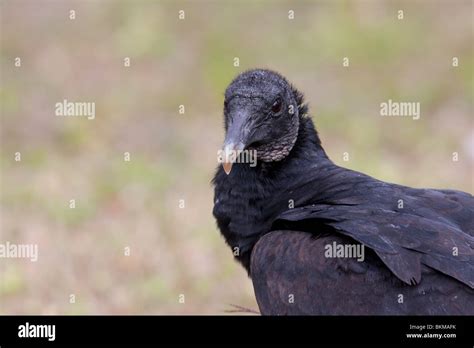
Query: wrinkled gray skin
(264,115)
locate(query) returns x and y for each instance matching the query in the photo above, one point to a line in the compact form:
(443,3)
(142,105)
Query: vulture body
(282,215)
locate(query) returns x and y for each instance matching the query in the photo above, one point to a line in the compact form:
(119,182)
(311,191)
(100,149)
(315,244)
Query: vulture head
(261,113)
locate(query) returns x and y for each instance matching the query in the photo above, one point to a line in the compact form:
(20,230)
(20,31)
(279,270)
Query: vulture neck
(305,176)
(308,139)
(305,153)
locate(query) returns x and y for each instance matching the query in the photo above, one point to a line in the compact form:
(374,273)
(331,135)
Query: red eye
(276,107)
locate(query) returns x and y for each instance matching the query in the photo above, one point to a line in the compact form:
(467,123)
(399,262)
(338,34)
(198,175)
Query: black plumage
(280,215)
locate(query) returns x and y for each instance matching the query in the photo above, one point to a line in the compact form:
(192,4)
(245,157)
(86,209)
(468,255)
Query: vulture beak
(236,139)
(231,152)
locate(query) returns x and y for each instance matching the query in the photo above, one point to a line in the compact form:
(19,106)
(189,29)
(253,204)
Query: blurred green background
(173,156)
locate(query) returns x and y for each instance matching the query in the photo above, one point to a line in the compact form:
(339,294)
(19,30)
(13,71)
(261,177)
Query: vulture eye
(276,107)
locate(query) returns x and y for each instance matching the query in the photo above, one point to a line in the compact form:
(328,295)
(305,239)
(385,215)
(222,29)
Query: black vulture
(296,221)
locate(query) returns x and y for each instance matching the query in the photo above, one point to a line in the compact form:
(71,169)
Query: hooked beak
(235,140)
(231,152)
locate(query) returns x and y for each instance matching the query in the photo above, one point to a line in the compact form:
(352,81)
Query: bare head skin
(261,113)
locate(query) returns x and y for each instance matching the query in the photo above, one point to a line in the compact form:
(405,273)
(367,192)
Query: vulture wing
(403,239)
(291,275)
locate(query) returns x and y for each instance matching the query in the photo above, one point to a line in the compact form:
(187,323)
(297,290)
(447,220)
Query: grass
(136,204)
